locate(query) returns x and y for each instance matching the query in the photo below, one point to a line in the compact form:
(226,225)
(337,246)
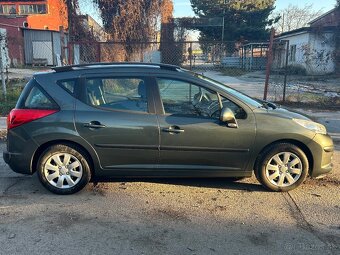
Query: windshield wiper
(267,105)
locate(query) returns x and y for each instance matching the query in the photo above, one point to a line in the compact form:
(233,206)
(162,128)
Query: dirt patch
(171,215)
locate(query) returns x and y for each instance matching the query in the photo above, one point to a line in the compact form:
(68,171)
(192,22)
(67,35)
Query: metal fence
(298,74)
(192,55)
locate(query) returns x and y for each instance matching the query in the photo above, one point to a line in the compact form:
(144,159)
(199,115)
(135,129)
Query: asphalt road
(167,216)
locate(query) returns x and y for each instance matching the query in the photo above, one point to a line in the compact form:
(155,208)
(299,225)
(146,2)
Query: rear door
(116,116)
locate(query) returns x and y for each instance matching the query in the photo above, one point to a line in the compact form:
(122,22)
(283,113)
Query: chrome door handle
(175,129)
(94,124)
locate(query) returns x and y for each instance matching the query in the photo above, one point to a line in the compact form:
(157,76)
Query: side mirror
(227,116)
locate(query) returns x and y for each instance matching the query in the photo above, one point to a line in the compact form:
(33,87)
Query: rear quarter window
(34,97)
(68,85)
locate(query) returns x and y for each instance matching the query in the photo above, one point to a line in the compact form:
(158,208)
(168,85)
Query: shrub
(296,70)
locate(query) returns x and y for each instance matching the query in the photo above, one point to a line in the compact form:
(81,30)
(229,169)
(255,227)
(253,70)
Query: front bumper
(322,149)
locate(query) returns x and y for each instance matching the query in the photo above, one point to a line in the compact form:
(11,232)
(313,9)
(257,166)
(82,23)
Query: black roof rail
(110,64)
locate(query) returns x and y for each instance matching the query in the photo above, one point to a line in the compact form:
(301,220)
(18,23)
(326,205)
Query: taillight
(18,117)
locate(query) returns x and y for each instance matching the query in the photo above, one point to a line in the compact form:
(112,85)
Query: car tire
(281,167)
(64,169)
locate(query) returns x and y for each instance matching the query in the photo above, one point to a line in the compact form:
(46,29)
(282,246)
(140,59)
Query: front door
(115,117)
(192,136)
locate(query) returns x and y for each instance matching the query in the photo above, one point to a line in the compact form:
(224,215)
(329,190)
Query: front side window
(32,9)
(183,98)
(117,93)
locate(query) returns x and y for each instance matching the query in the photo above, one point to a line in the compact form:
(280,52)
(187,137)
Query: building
(91,25)
(44,47)
(311,48)
(34,14)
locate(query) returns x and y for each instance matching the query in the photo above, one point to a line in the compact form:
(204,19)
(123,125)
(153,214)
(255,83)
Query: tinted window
(69,85)
(183,98)
(36,99)
(117,93)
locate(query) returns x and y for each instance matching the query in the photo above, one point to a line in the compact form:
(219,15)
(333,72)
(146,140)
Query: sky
(183,7)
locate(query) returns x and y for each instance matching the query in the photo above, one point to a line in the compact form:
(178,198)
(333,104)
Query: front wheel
(64,169)
(282,167)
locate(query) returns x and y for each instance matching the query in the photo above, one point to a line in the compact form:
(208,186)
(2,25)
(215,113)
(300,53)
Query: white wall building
(312,48)
(314,51)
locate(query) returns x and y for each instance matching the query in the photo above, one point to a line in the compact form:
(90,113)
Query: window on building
(7,9)
(32,9)
(292,53)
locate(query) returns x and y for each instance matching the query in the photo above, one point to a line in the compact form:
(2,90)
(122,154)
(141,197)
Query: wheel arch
(297,143)
(44,146)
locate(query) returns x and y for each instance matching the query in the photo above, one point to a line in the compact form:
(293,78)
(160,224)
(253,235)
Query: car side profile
(75,123)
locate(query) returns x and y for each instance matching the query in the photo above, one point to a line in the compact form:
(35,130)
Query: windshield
(233,92)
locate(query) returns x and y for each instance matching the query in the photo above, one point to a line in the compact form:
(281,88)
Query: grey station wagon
(80,122)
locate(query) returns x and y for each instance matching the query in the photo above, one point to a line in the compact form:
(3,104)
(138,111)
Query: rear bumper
(322,149)
(17,162)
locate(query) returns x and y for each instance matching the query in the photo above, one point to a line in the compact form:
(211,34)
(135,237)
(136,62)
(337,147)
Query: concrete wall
(320,56)
(15,39)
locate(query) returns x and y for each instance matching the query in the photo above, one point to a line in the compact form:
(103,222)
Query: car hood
(282,113)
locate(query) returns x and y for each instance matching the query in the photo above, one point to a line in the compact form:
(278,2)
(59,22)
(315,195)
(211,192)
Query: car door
(192,136)
(116,116)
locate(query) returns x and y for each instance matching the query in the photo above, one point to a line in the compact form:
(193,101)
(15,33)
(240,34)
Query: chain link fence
(299,73)
(231,57)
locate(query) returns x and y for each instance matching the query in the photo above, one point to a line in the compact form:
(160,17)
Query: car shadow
(214,183)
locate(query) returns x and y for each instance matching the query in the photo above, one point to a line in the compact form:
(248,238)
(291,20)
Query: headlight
(311,125)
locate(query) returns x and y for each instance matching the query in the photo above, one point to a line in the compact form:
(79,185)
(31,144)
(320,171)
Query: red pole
(269,63)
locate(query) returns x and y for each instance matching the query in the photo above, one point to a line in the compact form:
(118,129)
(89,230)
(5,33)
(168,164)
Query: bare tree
(294,17)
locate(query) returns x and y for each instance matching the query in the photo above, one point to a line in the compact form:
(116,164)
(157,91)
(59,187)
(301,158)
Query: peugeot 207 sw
(151,120)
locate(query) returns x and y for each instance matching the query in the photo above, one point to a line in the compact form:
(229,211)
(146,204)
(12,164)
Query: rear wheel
(64,169)
(282,167)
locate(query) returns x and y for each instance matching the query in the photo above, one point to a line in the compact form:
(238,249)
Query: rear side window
(117,93)
(37,99)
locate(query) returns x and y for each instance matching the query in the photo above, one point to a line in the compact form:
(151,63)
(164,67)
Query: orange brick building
(16,15)
(39,14)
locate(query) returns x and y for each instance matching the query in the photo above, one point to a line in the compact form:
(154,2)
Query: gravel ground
(169,216)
